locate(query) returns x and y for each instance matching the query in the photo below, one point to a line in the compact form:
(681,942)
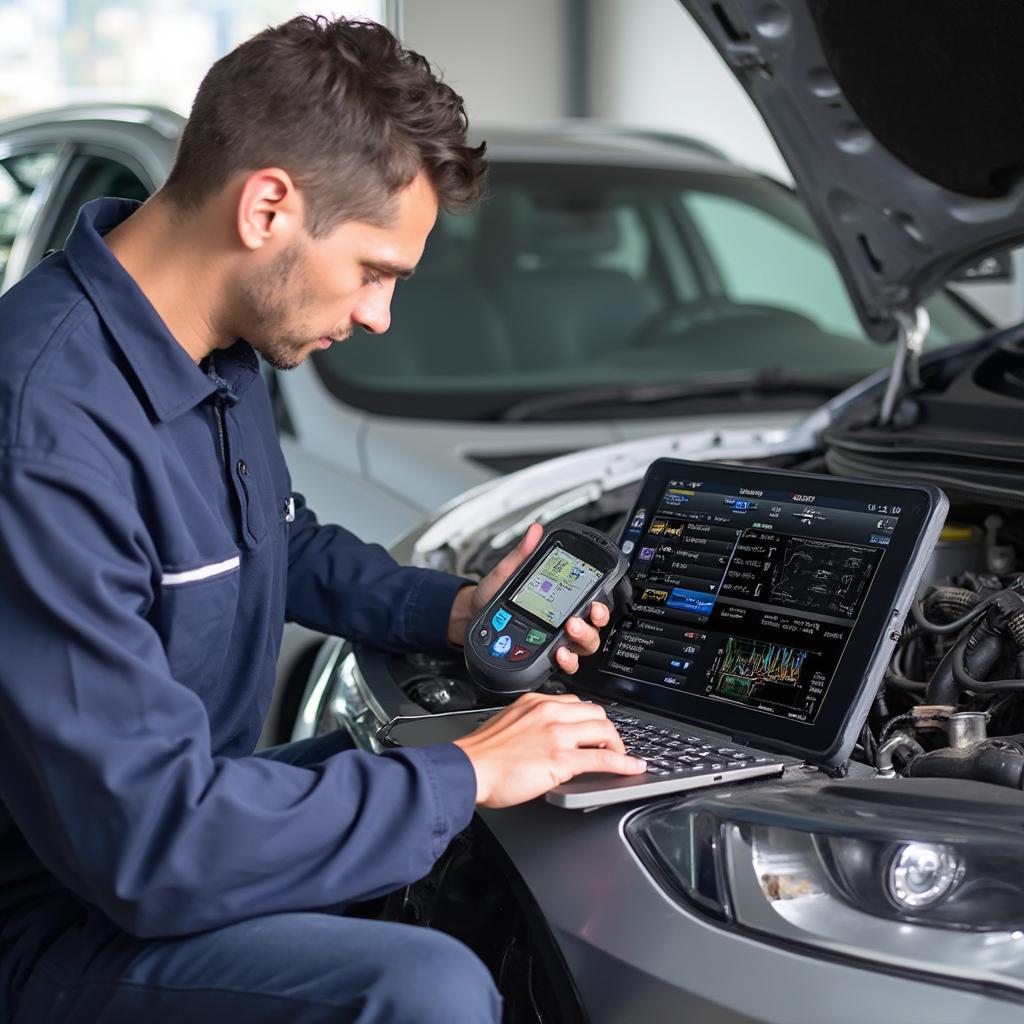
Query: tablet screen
(758,596)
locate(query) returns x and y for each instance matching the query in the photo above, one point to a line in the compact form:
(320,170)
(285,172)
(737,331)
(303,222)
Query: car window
(761,258)
(92,177)
(582,281)
(20,176)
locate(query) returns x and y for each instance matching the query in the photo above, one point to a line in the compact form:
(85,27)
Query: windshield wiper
(765,382)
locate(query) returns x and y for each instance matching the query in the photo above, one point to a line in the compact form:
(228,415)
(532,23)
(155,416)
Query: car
(886,890)
(508,345)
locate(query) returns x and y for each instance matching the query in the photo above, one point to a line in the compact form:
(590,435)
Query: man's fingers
(596,732)
(599,614)
(524,705)
(567,660)
(600,759)
(584,638)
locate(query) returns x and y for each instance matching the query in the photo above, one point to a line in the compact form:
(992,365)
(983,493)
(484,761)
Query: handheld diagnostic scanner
(510,647)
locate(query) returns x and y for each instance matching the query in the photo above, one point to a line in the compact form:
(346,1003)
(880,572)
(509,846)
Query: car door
(89,173)
(26,175)
(52,164)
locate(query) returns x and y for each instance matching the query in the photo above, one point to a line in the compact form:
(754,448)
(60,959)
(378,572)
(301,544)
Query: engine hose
(942,687)
(985,762)
(953,600)
(1015,628)
(945,628)
(964,667)
(898,681)
(1008,596)
(892,725)
(896,677)
(971,657)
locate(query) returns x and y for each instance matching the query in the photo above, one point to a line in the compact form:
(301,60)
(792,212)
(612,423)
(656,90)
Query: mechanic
(152,867)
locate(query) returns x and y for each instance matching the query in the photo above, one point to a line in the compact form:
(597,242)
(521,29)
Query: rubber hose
(965,664)
(954,600)
(946,628)
(969,663)
(1015,627)
(942,687)
(981,763)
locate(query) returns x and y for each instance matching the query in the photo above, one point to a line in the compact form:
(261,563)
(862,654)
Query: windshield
(571,280)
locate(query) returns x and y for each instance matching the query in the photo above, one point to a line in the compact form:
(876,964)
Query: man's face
(314,292)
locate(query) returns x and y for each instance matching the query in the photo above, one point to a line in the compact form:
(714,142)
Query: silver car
(888,891)
(615,285)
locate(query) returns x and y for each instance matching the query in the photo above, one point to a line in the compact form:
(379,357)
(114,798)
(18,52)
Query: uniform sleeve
(339,584)
(105,762)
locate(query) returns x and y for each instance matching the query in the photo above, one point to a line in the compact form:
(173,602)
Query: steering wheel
(672,321)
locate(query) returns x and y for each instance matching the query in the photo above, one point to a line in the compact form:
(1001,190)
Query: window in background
(153,51)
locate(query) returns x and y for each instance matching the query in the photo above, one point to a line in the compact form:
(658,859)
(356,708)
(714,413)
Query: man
(150,549)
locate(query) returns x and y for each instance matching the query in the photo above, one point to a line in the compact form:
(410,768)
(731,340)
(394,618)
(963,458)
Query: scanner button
(536,636)
(519,653)
(483,636)
(501,619)
(501,646)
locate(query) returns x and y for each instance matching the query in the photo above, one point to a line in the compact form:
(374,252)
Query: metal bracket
(906,363)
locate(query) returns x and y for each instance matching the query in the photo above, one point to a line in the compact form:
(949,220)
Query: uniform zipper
(218,412)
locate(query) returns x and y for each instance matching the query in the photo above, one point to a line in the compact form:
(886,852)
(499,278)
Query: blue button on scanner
(501,646)
(501,618)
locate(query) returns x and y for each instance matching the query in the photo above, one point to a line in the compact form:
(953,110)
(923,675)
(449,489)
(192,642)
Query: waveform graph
(755,670)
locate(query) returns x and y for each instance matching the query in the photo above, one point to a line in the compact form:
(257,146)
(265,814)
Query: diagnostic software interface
(556,586)
(747,596)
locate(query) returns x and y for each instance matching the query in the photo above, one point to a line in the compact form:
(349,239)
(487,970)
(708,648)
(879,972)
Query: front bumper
(631,950)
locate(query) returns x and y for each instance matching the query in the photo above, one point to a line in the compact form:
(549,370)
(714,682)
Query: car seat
(544,267)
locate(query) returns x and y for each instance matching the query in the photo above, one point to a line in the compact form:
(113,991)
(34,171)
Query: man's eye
(369,277)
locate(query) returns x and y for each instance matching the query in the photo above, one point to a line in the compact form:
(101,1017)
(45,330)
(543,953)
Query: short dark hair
(340,105)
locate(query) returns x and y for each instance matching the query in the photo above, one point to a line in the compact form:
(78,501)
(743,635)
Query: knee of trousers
(438,980)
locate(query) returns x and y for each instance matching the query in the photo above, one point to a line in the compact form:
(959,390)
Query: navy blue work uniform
(152,868)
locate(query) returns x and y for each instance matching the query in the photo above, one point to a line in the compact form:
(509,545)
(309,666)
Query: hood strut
(905,373)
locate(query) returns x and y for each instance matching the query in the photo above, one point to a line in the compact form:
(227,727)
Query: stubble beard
(270,297)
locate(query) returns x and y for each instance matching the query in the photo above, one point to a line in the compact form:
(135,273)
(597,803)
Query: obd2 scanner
(510,647)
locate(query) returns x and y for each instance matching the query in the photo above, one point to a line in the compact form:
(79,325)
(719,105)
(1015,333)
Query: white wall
(651,65)
(507,60)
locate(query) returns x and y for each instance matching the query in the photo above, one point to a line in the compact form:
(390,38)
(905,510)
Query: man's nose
(373,313)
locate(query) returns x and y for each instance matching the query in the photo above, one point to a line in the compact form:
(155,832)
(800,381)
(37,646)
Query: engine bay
(952,701)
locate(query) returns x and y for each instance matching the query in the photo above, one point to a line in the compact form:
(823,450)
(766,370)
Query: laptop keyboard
(668,752)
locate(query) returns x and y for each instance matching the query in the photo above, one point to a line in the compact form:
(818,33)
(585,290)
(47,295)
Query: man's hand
(538,743)
(470,601)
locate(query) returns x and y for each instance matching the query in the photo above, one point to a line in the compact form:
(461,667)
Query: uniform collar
(172,382)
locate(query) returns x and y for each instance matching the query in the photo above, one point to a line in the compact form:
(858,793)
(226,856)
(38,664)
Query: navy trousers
(299,968)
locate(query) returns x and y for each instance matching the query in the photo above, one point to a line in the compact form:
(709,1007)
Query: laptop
(766,605)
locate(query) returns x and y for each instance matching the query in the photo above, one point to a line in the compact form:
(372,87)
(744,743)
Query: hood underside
(902,122)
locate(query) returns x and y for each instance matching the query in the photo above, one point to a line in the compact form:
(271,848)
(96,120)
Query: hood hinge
(912,328)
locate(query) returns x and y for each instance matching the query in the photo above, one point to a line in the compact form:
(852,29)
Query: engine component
(901,743)
(999,558)
(958,550)
(1000,761)
(966,728)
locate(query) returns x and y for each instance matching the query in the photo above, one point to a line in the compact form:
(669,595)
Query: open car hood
(902,122)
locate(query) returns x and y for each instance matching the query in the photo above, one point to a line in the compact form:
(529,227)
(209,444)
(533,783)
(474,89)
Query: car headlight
(337,697)
(887,871)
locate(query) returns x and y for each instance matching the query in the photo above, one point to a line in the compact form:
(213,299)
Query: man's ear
(270,209)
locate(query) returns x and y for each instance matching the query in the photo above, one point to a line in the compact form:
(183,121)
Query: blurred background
(641,63)
(515,63)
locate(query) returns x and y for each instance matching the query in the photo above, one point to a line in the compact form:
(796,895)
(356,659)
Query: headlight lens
(921,874)
(827,866)
(337,698)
